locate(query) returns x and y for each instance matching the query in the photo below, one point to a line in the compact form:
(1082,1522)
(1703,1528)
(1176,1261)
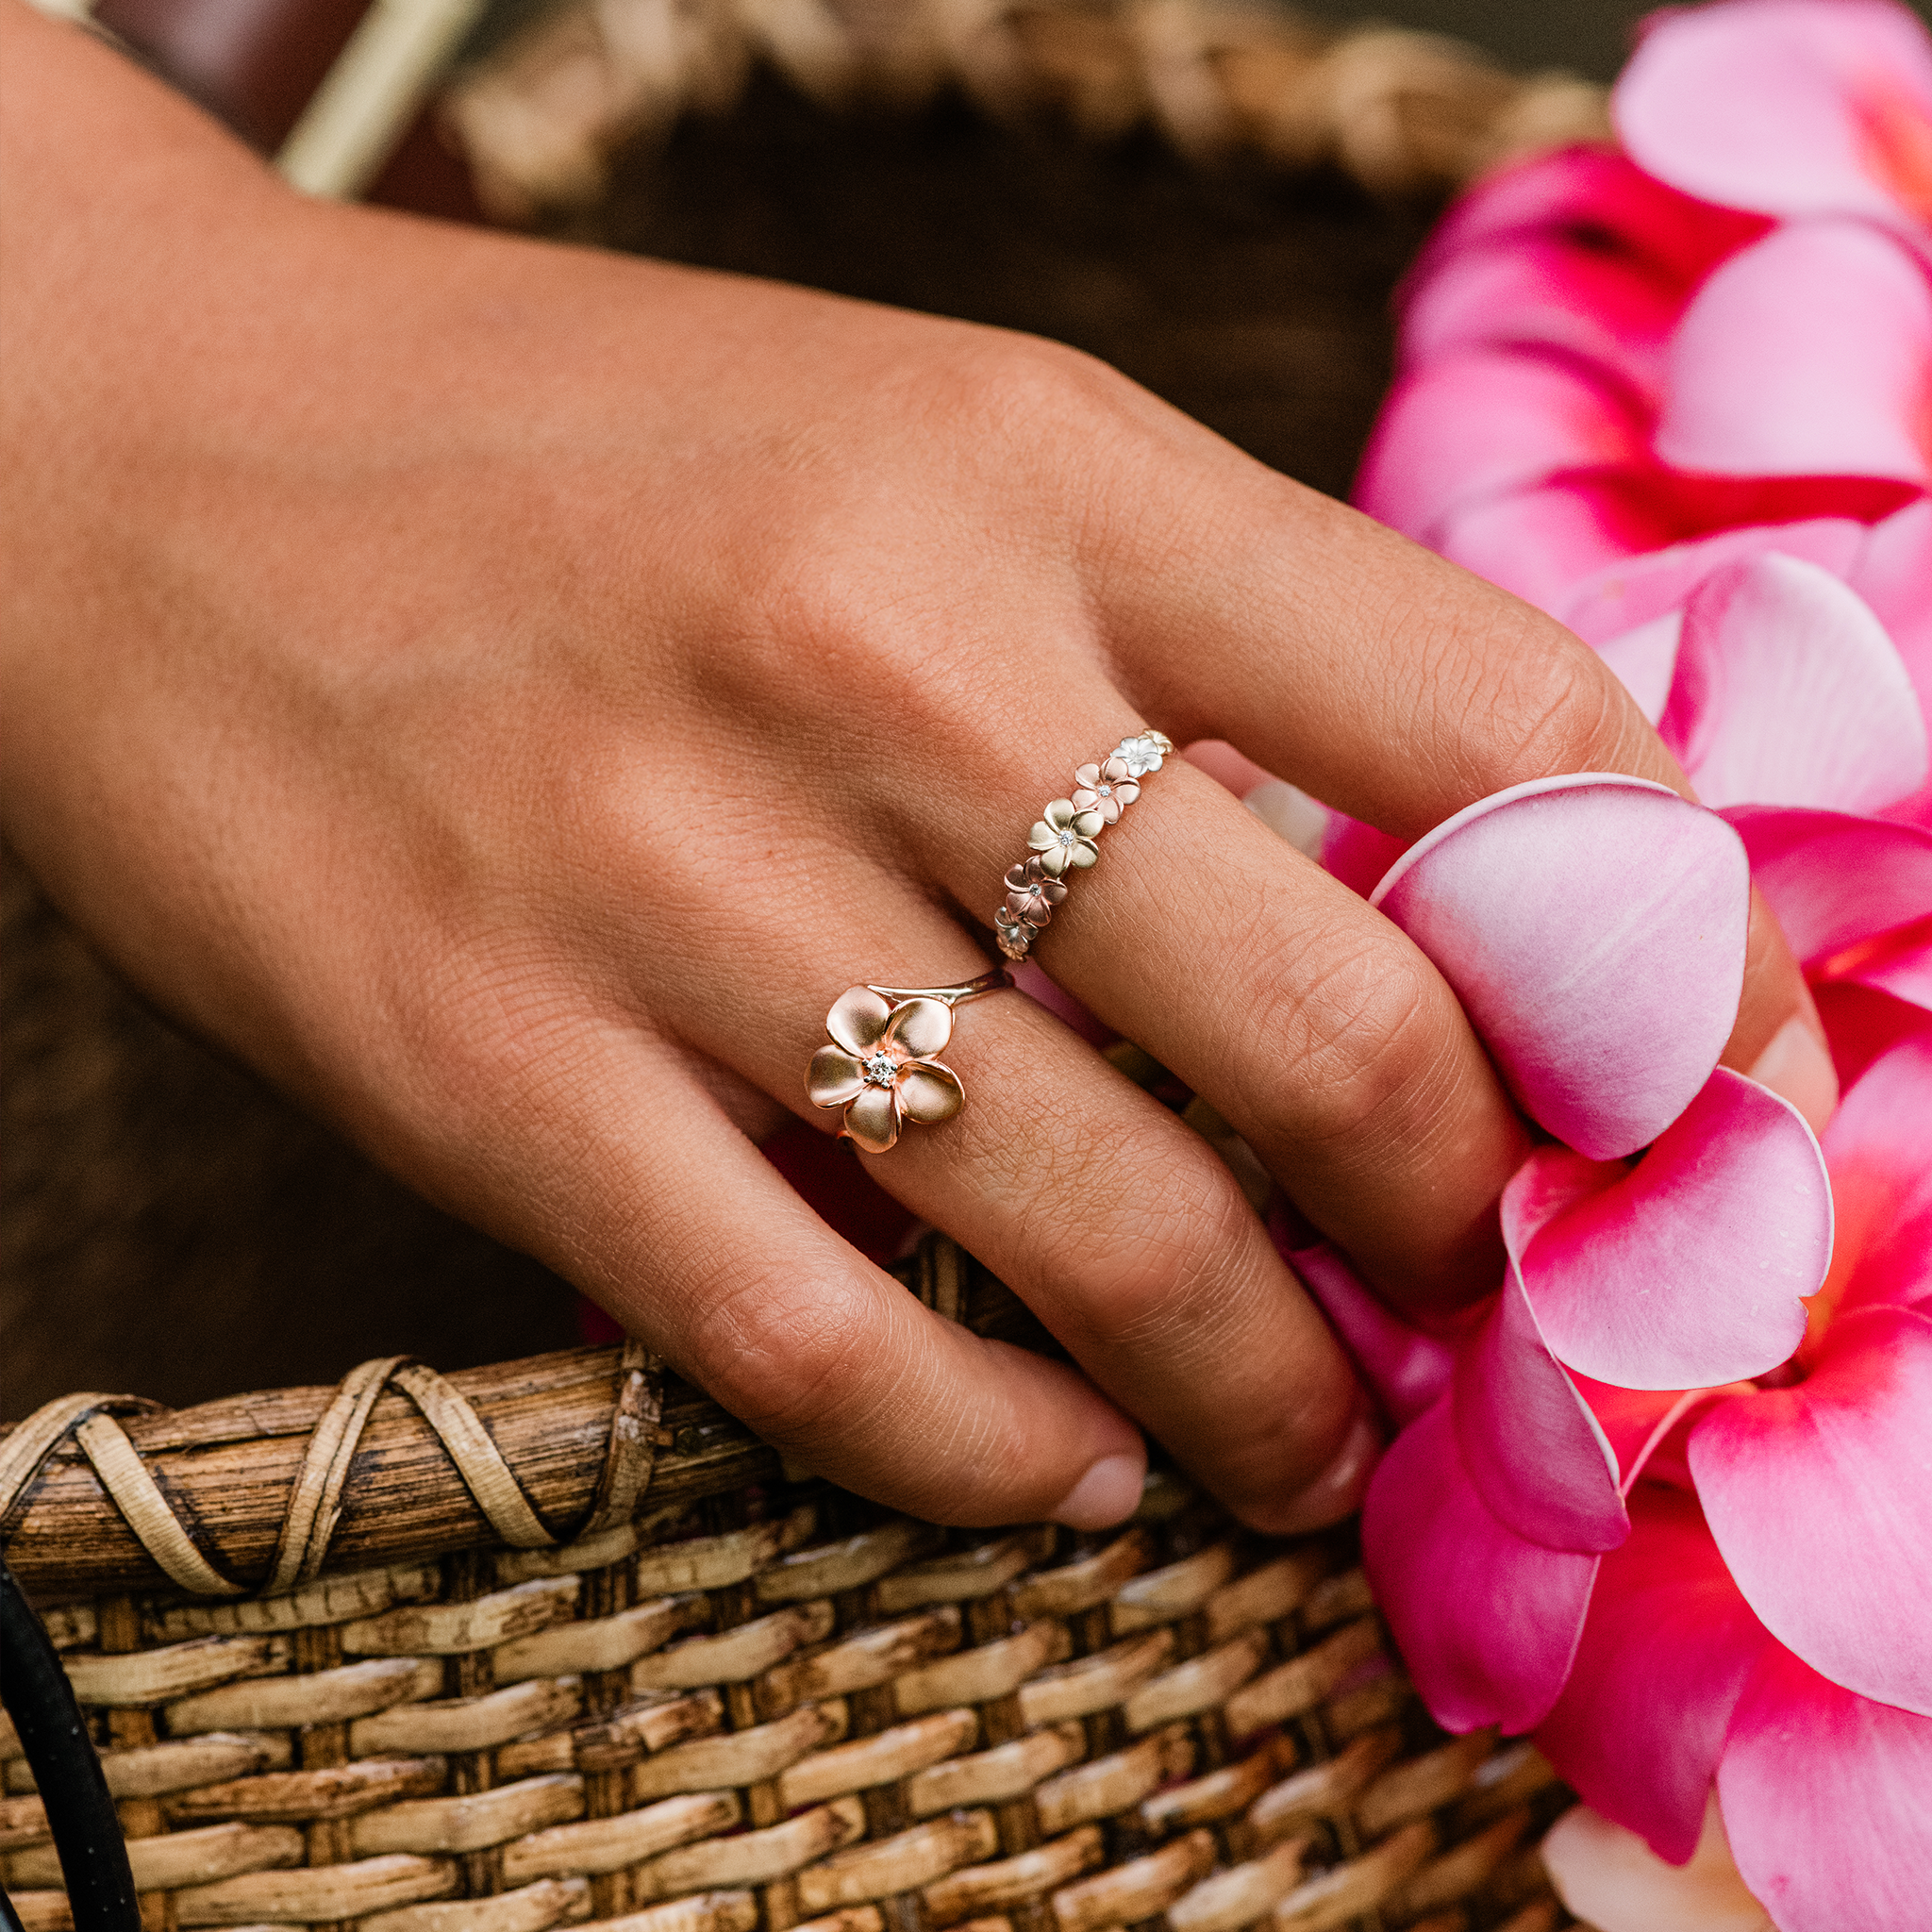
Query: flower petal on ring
(1083,852)
(833,1078)
(922,1028)
(873,1120)
(929,1092)
(858,1020)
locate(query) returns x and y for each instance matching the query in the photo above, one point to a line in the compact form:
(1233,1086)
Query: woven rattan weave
(728,1701)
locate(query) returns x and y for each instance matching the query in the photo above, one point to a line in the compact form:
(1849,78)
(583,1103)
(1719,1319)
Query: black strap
(73,1787)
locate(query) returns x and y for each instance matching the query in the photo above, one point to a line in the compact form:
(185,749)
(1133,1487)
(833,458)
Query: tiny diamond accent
(880,1070)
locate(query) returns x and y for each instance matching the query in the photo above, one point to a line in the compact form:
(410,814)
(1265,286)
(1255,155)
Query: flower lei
(1666,1499)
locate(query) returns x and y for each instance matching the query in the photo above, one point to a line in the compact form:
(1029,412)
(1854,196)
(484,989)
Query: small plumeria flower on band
(880,1069)
(1030,894)
(1108,788)
(1142,753)
(1064,837)
(1013,933)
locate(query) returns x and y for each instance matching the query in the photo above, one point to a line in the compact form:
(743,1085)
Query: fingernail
(1797,1067)
(1339,1488)
(1106,1493)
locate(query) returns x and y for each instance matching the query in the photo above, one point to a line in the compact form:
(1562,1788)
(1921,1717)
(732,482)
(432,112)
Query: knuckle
(1342,1023)
(1024,390)
(1541,705)
(787,1359)
(1178,1240)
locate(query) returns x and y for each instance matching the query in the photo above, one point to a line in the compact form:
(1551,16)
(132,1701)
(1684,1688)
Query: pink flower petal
(1780,106)
(1487,1622)
(1835,881)
(1536,1455)
(1407,1369)
(1554,293)
(1820,1496)
(1666,1649)
(1827,1801)
(1593,928)
(1688,1269)
(1807,354)
(1483,423)
(1597,198)
(1623,596)
(1539,543)
(1788,691)
(1356,853)
(1878,1149)
(1892,576)
(1645,660)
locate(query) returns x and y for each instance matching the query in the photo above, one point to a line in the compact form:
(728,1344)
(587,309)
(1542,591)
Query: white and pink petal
(1593,928)
(1688,1268)
(1827,1802)
(1782,106)
(1486,1621)
(1808,354)
(1820,1496)
(1786,691)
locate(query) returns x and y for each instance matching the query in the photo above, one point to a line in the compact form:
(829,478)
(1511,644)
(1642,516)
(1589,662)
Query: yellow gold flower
(1064,837)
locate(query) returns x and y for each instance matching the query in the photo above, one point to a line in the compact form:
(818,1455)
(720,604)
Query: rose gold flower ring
(1066,838)
(880,1067)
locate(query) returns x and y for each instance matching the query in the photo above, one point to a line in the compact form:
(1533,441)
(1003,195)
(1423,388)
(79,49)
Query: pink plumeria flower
(1692,1583)
(1108,787)
(1608,356)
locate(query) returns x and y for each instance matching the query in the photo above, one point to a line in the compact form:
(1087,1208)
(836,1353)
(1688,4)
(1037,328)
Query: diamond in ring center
(879,1070)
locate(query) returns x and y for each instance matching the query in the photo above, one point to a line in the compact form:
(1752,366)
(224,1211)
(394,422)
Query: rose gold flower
(1030,894)
(879,1070)
(1015,935)
(1108,787)
(1064,837)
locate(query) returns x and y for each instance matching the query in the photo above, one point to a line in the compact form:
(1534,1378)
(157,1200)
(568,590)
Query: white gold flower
(1143,753)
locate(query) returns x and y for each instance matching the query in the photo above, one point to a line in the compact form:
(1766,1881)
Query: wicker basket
(560,1640)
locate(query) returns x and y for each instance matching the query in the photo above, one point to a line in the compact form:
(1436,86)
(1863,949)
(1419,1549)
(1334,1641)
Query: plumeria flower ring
(1108,787)
(1064,838)
(1142,753)
(1030,894)
(880,1067)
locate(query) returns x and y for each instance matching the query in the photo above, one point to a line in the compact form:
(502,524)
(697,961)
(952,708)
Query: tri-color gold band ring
(1065,839)
(881,1066)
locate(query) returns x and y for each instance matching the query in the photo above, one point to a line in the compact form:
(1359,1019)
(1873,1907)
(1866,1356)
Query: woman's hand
(506,693)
